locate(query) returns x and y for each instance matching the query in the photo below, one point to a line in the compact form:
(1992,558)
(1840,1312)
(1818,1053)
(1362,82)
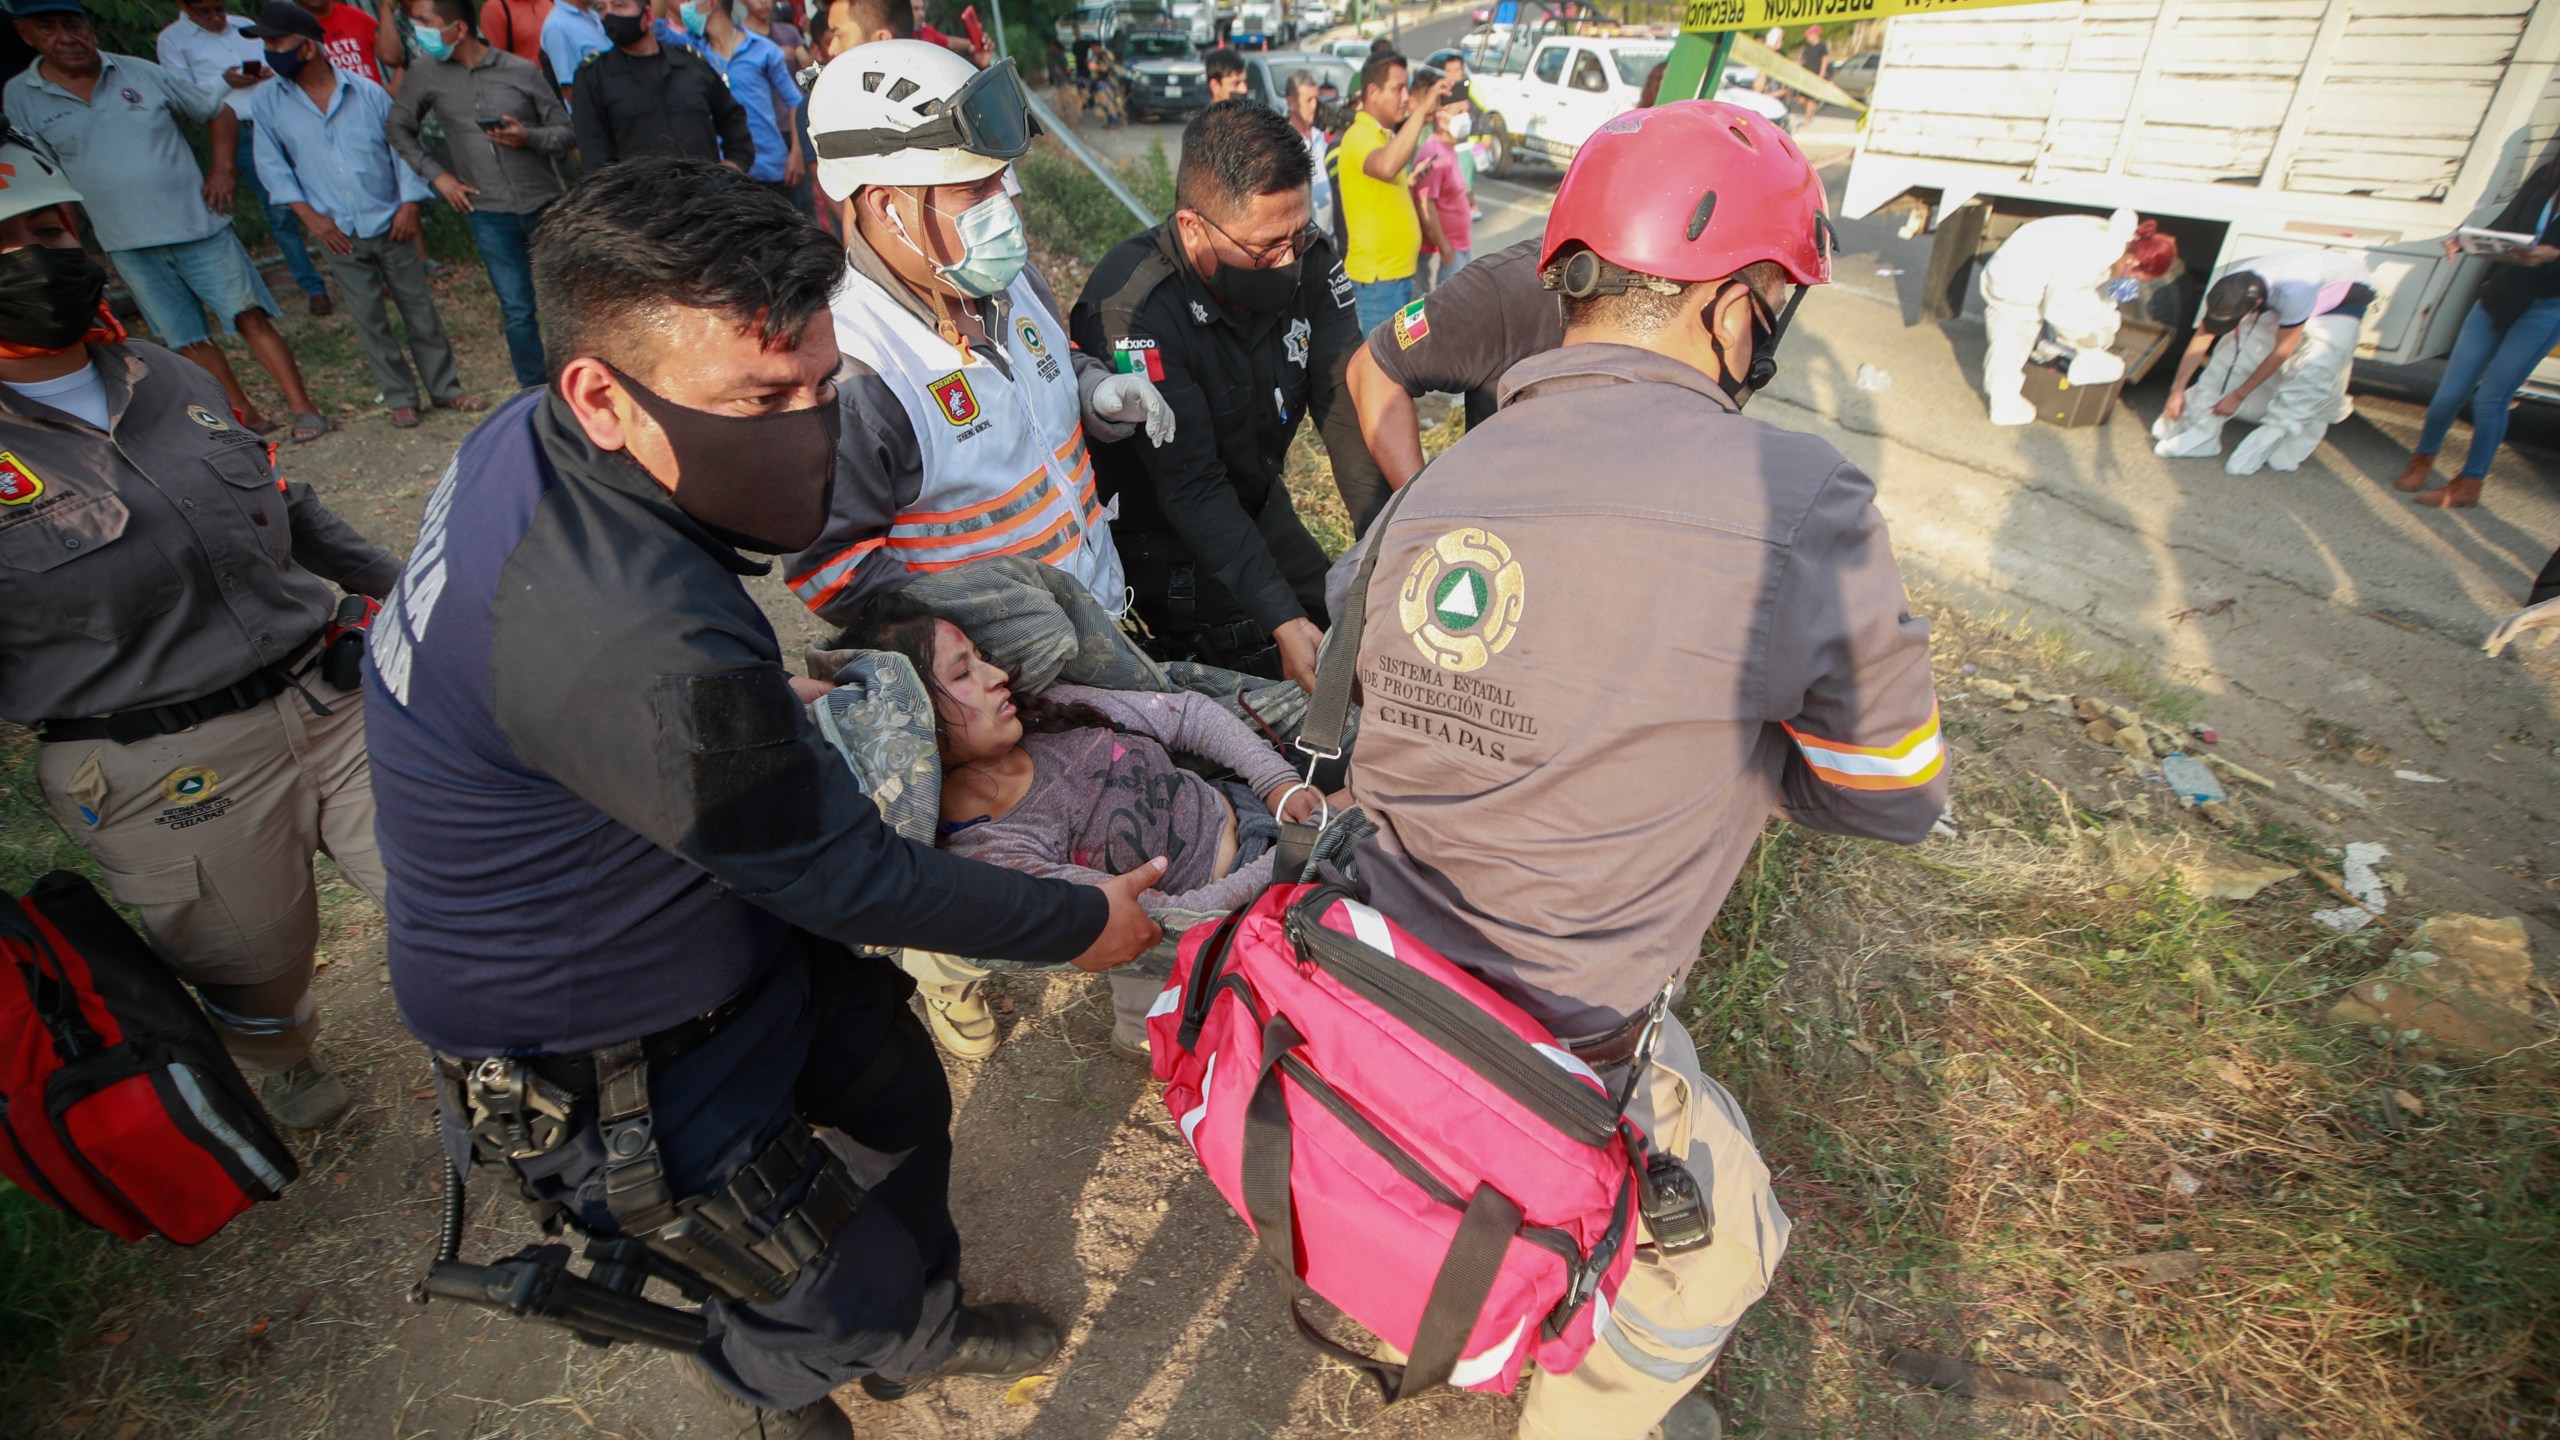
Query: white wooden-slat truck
(2244,126)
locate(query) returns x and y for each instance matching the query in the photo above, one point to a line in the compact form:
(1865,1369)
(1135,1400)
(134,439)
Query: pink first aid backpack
(1406,1143)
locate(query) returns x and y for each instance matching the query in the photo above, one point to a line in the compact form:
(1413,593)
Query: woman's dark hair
(903,625)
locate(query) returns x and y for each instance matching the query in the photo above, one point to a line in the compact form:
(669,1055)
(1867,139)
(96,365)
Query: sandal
(467,404)
(404,417)
(308,427)
(262,429)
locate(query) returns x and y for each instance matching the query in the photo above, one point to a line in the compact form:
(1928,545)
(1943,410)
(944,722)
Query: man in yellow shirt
(1384,235)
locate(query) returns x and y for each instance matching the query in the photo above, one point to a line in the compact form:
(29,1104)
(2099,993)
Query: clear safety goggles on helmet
(986,116)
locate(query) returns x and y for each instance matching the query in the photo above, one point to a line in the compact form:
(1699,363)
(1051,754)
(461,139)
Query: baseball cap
(284,20)
(21,9)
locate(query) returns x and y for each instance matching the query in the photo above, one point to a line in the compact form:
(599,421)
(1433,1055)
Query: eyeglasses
(1264,257)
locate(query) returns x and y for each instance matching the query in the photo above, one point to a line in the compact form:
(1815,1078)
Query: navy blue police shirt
(600,806)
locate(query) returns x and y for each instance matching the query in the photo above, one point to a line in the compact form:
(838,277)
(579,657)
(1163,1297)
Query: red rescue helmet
(1694,190)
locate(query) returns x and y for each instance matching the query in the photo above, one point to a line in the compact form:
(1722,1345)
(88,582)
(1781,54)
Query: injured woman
(1078,783)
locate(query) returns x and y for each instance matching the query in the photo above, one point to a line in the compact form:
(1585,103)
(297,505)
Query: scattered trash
(1940,1372)
(2241,773)
(2419,777)
(2463,984)
(2183,1180)
(2192,780)
(1025,1390)
(2343,794)
(2362,885)
(2204,732)
(2162,1266)
(1888,269)
(1871,378)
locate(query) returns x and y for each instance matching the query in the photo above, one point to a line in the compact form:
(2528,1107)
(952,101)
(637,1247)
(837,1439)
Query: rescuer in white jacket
(2066,271)
(965,409)
(2277,346)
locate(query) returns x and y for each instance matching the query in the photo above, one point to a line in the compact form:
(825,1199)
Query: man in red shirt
(350,33)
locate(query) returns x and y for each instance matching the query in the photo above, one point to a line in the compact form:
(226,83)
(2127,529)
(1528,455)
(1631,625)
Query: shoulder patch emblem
(206,418)
(1299,333)
(1411,325)
(959,403)
(1136,355)
(1030,334)
(18,484)
(1462,599)
(1199,313)
(1341,285)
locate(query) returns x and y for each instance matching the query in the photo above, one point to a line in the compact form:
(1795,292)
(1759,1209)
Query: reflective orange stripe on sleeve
(817,587)
(1907,764)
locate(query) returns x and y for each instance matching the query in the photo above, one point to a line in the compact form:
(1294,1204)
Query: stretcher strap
(1458,1291)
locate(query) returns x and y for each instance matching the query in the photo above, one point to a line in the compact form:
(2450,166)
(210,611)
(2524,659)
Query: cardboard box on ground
(2139,343)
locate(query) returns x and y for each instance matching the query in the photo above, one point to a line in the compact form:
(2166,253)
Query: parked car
(1857,74)
(1161,74)
(1542,102)
(1313,16)
(1353,49)
(1267,72)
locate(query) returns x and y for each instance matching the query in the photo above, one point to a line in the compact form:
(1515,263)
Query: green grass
(1066,208)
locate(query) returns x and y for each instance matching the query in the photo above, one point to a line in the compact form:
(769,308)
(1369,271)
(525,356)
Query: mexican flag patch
(1411,325)
(1137,357)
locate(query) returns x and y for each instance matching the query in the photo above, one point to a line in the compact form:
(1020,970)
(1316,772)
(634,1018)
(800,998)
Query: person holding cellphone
(205,44)
(502,122)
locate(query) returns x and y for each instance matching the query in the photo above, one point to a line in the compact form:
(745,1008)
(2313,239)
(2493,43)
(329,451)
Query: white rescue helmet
(30,177)
(902,112)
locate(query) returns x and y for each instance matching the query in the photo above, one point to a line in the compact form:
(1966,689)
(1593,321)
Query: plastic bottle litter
(2188,778)
(1871,378)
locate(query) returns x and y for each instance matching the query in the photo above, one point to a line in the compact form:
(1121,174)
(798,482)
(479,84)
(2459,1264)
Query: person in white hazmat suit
(2069,272)
(2277,346)
(965,408)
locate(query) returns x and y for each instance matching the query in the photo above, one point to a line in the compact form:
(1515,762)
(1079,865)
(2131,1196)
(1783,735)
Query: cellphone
(253,68)
(977,32)
(490,122)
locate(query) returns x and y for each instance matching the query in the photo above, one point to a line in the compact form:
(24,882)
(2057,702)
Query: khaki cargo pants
(950,979)
(209,834)
(1673,1313)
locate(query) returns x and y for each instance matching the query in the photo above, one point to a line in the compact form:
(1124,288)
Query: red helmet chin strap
(108,331)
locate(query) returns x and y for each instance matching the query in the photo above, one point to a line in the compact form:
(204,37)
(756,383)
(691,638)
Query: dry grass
(1989,1074)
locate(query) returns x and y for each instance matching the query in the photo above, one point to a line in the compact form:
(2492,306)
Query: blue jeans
(502,249)
(2485,369)
(1378,299)
(281,224)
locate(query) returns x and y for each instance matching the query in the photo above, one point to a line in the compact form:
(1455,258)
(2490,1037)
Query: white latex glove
(1116,405)
(2541,617)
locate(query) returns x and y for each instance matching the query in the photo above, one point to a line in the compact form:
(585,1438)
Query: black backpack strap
(1329,714)
(1121,306)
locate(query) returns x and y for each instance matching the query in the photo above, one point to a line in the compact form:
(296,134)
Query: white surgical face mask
(993,247)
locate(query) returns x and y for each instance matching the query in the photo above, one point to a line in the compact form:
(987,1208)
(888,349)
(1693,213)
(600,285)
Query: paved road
(2350,605)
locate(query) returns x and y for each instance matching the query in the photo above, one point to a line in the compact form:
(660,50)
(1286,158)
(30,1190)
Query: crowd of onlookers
(338,123)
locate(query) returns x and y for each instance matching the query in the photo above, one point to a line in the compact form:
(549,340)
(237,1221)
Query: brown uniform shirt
(1609,633)
(162,559)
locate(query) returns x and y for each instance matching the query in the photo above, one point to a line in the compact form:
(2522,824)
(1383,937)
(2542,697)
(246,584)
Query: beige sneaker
(305,1097)
(961,1021)
(1132,1045)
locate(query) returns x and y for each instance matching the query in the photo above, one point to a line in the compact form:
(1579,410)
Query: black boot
(817,1420)
(1005,1341)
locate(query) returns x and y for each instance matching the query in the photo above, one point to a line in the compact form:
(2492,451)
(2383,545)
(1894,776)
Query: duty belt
(126,727)
(1615,1047)
(748,1240)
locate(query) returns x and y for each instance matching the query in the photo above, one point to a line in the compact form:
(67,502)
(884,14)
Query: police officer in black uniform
(1238,309)
(626,870)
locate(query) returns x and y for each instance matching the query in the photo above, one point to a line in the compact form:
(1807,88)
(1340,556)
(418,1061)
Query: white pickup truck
(1541,97)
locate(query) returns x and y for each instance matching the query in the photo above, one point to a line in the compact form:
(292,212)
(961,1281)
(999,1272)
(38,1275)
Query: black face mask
(625,30)
(287,63)
(1245,289)
(756,482)
(48,297)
